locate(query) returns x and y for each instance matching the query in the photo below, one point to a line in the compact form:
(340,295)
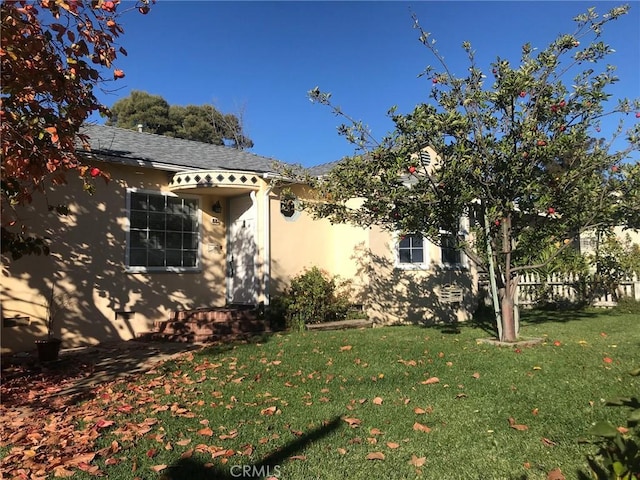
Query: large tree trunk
(509,333)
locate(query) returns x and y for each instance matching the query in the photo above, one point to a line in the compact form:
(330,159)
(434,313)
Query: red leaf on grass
(207,432)
(375,456)
(421,428)
(430,381)
(555,474)
(353,422)
(516,426)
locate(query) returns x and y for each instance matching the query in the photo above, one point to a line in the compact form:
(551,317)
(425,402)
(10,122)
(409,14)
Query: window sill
(455,266)
(412,266)
(163,270)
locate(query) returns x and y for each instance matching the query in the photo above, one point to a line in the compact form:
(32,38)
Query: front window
(163,232)
(411,249)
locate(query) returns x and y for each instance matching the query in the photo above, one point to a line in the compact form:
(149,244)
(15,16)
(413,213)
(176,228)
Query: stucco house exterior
(185,225)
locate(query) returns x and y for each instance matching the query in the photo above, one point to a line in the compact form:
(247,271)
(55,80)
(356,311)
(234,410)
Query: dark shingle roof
(132,147)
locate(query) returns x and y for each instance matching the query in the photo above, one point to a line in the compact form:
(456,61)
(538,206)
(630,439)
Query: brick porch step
(207,325)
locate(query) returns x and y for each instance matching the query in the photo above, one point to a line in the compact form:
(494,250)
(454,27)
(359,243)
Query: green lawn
(358,405)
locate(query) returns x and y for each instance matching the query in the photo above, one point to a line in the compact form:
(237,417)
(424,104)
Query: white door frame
(249,297)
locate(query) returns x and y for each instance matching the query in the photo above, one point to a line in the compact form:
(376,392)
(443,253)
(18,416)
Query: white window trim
(139,269)
(424,265)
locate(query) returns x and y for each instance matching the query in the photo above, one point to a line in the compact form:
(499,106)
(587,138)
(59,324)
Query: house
(185,225)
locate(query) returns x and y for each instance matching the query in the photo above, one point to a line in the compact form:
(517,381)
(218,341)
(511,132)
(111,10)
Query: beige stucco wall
(87,264)
(367,257)
(300,242)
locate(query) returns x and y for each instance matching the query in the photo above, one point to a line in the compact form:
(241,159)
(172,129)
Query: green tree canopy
(202,123)
(518,151)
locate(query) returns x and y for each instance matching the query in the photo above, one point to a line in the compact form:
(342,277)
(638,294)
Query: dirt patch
(524,342)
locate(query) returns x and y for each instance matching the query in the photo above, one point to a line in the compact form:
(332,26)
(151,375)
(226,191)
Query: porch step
(207,325)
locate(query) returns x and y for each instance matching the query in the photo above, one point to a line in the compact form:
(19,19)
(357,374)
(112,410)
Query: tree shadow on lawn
(192,469)
(27,383)
(484,317)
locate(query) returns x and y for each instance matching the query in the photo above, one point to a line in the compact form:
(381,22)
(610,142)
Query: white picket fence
(566,287)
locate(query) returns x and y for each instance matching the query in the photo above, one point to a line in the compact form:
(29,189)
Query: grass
(315,405)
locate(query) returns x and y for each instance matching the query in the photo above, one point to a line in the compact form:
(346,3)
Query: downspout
(266,271)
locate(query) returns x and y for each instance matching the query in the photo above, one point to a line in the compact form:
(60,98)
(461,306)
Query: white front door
(242,278)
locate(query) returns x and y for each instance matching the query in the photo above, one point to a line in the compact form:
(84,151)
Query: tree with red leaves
(54,54)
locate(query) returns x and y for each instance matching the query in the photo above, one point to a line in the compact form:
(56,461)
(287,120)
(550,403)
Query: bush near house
(313,296)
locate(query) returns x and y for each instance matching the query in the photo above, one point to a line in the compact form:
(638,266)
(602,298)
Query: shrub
(313,297)
(618,455)
(627,305)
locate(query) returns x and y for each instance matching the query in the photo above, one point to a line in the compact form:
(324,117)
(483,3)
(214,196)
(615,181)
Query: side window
(163,232)
(450,255)
(411,250)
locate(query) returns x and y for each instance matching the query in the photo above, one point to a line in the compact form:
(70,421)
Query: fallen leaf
(183,442)
(548,443)
(104,423)
(205,431)
(62,472)
(269,410)
(375,456)
(623,430)
(516,426)
(526,465)
(419,411)
(353,422)
(555,474)
(393,445)
(298,457)
(375,431)
(421,428)
(607,360)
(342,451)
(476,375)
(377,401)
(346,348)
(534,411)
(158,468)
(84,458)
(430,381)
(417,461)
(537,368)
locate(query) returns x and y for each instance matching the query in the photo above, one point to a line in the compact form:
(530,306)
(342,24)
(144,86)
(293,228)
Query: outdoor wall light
(217,207)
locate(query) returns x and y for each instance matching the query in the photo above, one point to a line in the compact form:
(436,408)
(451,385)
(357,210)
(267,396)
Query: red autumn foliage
(52,55)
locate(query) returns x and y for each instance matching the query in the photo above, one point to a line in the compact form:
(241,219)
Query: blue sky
(262,57)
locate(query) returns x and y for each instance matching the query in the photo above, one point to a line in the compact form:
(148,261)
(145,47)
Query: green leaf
(603,429)
(634,416)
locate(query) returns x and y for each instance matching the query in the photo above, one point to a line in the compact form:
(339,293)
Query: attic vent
(425,158)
